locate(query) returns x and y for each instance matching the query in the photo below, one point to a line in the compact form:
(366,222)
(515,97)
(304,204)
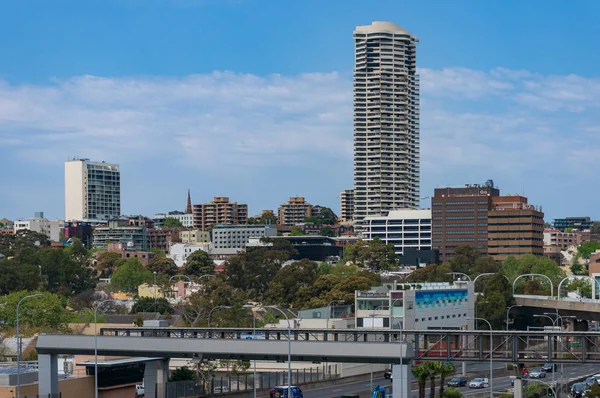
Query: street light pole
(218,307)
(508,311)
(180,276)
(289,348)
(491,355)
(154,292)
(96,344)
(19,344)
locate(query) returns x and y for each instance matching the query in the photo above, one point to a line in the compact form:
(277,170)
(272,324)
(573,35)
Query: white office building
(40,225)
(186,219)
(92,190)
(386,120)
(179,252)
(402,228)
(238,236)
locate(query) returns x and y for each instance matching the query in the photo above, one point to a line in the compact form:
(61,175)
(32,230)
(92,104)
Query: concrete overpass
(586,309)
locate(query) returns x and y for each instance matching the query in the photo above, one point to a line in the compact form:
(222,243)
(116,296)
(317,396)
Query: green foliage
(46,311)
(199,263)
(594,391)
(327,231)
(497,296)
(326,216)
(344,291)
(451,392)
(568,230)
(421,374)
(586,249)
(373,254)
(183,374)
(444,371)
(431,273)
(582,286)
(172,222)
(67,272)
(434,369)
(10,245)
(130,275)
(576,268)
(146,304)
(107,263)
(536,390)
(157,252)
(530,264)
(162,265)
(267,218)
(289,280)
(317,294)
(19,273)
(296,232)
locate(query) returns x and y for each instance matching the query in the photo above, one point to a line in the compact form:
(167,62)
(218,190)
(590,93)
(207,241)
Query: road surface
(500,384)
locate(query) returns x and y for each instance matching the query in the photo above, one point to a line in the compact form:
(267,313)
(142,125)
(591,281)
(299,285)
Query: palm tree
(421,373)
(446,369)
(434,370)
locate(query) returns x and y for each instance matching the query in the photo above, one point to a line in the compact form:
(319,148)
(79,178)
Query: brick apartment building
(162,238)
(219,211)
(459,217)
(294,212)
(515,228)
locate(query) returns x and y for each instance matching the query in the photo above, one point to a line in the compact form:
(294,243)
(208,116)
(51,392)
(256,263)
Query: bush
(510,366)
(452,393)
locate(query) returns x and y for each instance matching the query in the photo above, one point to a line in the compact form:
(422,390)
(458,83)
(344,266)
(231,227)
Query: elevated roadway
(586,309)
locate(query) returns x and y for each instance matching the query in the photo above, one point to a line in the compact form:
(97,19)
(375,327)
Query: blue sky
(252,99)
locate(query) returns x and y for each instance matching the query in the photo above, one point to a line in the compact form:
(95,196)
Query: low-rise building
(195,236)
(563,239)
(119,231)
(314,248)
(568,223)
(126,252)
(238,236)
(148,290)
(162,238)
(186,219)
(81,230)
(416,306)
(179,252)
(40,225)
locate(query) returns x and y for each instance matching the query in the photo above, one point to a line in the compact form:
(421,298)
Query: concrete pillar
(150,376)
(518,388)
(47,374)
(162,377)
(402,381)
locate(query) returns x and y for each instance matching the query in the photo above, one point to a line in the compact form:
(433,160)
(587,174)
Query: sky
(252,99)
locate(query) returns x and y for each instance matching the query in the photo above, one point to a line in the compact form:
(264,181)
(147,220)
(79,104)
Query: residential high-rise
(294,212)
(92,190)
(219,211)
(386,120)
(459,217)
(347,205)
(515,228)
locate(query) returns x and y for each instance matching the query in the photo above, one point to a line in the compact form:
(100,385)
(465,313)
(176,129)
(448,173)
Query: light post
(574,277)
(508,312)
(154,291)
(372,315)
(272,307)
(491,354)
(19,344)
(218,307)
(98,305)
(400,337)
(329,309)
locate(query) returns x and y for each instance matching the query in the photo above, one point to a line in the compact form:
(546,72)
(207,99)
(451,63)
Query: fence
(245,382)
(59,395)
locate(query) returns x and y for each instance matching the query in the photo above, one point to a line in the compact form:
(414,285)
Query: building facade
(515,228)
(118,231)
(459,217)
(79,229)
(386,120)
(402,228)
(163,238)
(347,205)
(92,190)
(219,211)
(195,236)
(179,252)
(416,306)
(238,236)
(38,223)
(294,211)
(563,240)
(580,223)
(186,219)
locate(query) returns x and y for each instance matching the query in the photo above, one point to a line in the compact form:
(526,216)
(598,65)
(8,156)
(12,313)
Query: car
(590,381)
(537,374)
(479,382)
(578,390)
(220,390)
(457,382)
(282,392)
(549,367)
(388,375)
(139,390)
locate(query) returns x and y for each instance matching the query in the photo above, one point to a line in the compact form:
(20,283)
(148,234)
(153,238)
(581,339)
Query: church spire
(188,209)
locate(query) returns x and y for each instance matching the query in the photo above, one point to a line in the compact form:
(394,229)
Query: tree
(327,231)
(163,265)
(18,274)
(86,299)
(497,296)
(346,289)
(296,232)
(431,273)
(289,280)
(130,275)
(421,374)
(67,272)
(183,374)
(107,263)
(172,222)
(585,250)
(373,254)
(317,294)
(46,311)
(327,216)
(444,371)
(464,259)
(434,370)
(146,304)
(199,263)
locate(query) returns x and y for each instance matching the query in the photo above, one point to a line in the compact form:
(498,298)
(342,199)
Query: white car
(220,390)
(139,390)
(537,374)
(479,382)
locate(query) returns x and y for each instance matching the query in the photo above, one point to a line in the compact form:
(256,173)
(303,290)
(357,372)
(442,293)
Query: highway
(500,384)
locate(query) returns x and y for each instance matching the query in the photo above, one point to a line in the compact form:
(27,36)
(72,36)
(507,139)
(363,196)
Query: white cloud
(499,123)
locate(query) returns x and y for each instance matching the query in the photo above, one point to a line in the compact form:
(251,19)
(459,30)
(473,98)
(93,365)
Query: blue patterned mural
(440,298)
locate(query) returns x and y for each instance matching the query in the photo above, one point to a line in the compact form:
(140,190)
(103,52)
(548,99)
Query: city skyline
(495,104)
